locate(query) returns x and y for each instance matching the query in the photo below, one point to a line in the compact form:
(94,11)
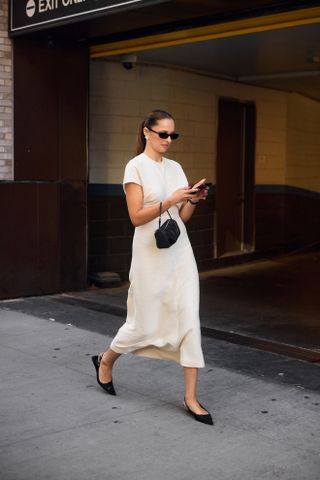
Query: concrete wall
(6,97)
(119,99)
(303,140)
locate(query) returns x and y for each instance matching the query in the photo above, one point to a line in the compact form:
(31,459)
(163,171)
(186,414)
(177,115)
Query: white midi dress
(163,298)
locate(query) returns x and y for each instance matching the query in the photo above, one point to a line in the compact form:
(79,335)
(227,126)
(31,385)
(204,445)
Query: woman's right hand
(182,195)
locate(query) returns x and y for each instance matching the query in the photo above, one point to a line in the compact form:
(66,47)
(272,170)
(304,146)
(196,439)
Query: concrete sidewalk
(56,423)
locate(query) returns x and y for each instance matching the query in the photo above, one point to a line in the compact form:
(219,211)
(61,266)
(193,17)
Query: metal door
(235,178)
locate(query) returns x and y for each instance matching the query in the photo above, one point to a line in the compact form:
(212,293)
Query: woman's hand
(200,194)
(188,208)
(182,195)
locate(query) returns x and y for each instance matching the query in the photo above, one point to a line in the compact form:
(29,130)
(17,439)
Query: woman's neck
(156,156)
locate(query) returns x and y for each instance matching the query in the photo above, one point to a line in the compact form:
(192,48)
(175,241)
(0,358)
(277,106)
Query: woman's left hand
(201,194)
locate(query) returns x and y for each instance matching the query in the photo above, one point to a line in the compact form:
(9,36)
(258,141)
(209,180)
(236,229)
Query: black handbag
(167,233)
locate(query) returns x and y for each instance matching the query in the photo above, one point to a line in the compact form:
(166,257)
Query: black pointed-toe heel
(107,387)
(204,418)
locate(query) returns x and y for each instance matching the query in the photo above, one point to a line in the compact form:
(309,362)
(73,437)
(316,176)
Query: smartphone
(202,186)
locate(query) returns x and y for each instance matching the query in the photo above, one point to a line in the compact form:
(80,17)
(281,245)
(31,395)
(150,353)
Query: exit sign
(31,15)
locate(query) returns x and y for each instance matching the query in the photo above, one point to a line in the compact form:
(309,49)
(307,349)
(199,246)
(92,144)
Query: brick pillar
(6,97)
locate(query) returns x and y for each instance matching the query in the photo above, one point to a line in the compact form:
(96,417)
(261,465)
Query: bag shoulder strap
(161,213)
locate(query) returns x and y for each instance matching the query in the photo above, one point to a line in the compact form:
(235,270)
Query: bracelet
(193,203)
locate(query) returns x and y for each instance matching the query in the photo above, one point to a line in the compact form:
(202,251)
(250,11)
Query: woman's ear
(145,133)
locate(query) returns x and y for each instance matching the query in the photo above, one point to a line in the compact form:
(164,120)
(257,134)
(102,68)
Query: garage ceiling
(283,58)
(287,59)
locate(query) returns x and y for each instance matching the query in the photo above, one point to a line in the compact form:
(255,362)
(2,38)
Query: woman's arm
(188,208)
(139,215)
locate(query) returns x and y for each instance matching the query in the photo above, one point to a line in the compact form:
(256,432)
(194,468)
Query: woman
(163,298)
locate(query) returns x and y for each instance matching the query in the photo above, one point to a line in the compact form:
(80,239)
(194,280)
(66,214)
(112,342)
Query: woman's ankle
(190,398)
(104,361)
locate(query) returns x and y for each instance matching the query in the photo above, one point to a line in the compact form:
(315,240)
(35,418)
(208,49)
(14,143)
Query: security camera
(128,61)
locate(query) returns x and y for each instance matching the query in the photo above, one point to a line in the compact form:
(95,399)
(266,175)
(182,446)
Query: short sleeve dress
(163,298)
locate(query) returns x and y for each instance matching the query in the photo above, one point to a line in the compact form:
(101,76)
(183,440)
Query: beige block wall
(119,99)
(6,97)
(303,139)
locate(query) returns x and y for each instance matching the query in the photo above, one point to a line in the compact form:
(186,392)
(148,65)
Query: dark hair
(149,121)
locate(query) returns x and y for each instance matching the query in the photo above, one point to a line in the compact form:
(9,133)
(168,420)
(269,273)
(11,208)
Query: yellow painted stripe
(210,32)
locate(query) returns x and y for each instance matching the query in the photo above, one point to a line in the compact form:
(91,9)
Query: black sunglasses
(173,136)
